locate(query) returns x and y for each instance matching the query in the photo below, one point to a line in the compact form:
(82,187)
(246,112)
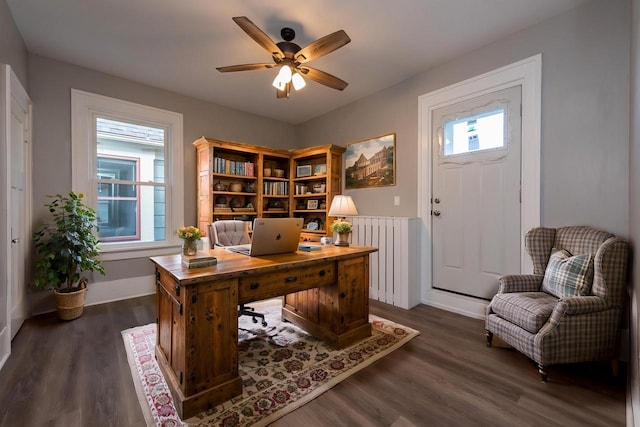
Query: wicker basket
(70,304)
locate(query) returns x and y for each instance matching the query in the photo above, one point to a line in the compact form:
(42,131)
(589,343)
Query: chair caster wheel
(255,320)
(264,323)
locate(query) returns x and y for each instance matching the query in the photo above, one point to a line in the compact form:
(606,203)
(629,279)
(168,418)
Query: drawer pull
(321,273)
(342,295)
(254,285)
(291,279)
(177,289)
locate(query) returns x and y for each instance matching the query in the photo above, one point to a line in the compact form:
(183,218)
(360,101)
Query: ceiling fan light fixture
(283,77)
(278,83)
(298,81)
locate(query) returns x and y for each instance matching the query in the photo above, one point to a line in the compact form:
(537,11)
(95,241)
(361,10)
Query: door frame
(528,74)
(10,85)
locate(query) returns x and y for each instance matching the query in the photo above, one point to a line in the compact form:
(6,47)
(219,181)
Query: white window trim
(85,106)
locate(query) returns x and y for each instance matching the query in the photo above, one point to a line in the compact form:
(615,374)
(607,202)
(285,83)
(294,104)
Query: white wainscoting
(394,271)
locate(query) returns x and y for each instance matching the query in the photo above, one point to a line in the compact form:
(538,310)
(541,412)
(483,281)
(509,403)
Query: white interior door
(476,192)
(15,195)
(20,136)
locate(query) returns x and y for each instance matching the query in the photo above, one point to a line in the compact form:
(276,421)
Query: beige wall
(12,48)
(585,123)
(633,397)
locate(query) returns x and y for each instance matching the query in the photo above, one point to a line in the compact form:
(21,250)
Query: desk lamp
(342,206)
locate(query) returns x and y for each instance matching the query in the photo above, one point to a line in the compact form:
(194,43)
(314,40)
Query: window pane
(479,132)
(134,213)
(122,140)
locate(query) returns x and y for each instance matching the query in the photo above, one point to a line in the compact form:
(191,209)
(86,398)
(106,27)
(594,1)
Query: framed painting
(371,162)
(303,171)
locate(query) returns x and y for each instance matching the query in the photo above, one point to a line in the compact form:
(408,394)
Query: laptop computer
(272,236)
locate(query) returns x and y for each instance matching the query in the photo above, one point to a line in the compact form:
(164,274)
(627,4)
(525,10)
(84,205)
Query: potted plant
(67,247)
(343,228)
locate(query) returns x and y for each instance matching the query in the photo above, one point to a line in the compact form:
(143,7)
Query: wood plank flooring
(76,374)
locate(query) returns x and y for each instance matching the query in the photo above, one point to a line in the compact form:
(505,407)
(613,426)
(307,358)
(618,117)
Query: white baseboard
(104,292)
(5,346)
(116,290)
(460,304)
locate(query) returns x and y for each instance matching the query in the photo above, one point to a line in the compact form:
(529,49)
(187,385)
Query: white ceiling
(177,45)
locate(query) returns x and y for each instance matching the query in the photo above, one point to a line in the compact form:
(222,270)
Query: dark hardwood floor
(76,374)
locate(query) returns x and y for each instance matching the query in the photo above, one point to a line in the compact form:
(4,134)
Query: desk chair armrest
(519,283)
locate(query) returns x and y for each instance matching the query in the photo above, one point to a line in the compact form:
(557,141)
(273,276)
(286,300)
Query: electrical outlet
(396,201)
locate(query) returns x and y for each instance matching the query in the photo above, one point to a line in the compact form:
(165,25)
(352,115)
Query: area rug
(281,366)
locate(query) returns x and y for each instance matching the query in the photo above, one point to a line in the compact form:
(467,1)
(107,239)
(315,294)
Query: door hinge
(181,377)
(180,309)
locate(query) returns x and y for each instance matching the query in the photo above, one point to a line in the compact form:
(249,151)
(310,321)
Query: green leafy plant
(341,227)
(67,246)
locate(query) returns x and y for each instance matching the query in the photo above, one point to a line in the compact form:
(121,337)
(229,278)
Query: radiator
(394,269)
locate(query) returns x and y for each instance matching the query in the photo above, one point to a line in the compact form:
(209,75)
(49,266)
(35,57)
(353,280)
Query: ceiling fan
(291,58)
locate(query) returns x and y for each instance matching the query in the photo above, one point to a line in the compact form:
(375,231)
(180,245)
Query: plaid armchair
(570,309)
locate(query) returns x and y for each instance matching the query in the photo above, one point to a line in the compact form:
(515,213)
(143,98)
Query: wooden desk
(326,293)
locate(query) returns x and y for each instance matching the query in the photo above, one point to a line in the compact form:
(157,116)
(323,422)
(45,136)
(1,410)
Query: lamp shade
(342,206)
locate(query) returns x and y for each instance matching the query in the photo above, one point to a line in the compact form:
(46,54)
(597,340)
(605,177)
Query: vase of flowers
(190,236)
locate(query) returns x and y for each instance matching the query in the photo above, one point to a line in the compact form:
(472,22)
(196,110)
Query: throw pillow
(567,275)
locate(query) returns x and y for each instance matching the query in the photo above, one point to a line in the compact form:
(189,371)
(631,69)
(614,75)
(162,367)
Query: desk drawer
(275,284)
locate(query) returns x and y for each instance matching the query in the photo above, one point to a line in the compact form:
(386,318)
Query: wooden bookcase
(316,178)
(243,181)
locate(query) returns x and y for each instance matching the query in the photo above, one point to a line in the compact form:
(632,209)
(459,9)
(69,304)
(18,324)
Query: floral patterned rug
(282,368)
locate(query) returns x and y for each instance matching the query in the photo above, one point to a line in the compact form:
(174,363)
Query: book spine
(199,264)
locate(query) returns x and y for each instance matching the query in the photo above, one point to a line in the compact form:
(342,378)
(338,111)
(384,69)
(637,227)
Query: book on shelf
(199,260)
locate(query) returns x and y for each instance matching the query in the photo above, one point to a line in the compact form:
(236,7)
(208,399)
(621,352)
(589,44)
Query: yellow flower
(189,233)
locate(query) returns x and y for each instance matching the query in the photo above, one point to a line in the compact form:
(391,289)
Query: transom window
(484,131)
(123,155)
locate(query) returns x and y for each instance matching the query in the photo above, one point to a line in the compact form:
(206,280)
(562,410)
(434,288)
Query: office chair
(230,233)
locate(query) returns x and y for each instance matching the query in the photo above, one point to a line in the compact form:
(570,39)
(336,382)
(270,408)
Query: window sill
(116,254)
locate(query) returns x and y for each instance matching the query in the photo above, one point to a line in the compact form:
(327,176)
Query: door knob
(436,200)
(436,213)
(16,240)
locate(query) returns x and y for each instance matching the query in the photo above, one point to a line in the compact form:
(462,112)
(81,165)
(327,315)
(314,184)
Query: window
(479,132)
(127,159)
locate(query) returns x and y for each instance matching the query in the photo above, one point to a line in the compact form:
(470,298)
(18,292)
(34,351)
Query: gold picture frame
(371,162)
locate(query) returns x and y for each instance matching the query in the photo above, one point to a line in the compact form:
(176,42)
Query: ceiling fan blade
(259,36)
(322,46)
(323,78)
(244,67)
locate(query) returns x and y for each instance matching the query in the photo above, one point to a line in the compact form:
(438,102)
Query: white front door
(476,192)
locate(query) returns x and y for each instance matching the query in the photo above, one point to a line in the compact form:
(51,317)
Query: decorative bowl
(235,187)
(236,202)
(219,186)
(278,173)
